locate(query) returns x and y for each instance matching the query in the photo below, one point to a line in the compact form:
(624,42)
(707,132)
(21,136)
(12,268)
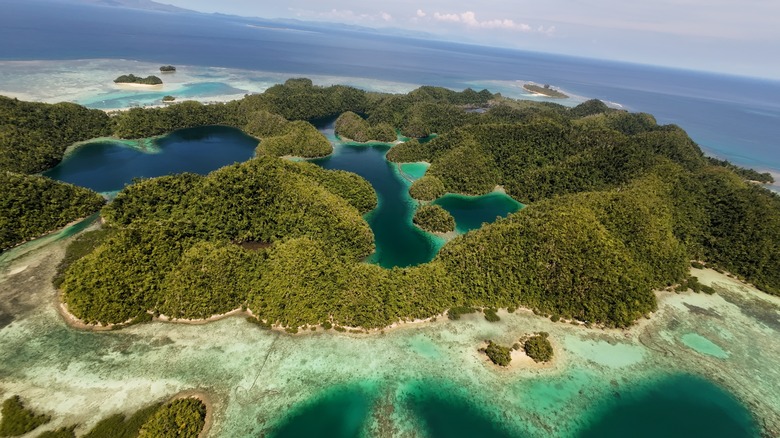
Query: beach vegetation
(120,426)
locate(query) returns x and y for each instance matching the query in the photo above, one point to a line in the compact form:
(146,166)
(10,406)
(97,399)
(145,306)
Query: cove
(109,165)
(398,241)
(470,212)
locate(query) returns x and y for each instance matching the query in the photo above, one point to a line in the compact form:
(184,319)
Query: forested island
(167,69)
(545,90)
(617,207)
(133,79)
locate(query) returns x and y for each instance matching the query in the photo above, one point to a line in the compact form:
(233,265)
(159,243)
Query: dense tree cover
(427,188)
(62,432)
(34,136)
(498,354)
(299,139)
(119,426)
(32,205)
(177,257)
(545,90)
(748,174)
(538,347)
(168,98)
(618,207)
(133,79)
(17,419)
(491,315)
(181,418)
(351,126)
(82,245)
(434,219)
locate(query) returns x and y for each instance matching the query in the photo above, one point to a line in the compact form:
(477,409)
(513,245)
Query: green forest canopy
(617,207)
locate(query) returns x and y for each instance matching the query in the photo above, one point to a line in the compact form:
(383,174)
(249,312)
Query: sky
(728,36)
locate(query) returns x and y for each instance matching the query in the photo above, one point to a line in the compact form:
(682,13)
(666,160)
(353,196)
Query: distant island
(167,69)
(545,90)
(168,98)
(133,79)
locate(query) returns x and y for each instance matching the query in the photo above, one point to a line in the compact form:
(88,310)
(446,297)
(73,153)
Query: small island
(168,98)
(434,219)
(133,79)
(545,91)
(167,69)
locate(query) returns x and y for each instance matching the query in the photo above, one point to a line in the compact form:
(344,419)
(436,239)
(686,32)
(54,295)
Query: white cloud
(386,17)
(421,13)
(469,18)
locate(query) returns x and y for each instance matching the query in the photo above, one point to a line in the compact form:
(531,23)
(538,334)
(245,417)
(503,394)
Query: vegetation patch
(434,218)
(498,354)
(18,419)
(133,79)
(181,418)
(538,347)
(354,127)
(32,205)
(427,188)
(545,90)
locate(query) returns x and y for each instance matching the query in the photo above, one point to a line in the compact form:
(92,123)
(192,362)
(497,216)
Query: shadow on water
(444,412)
(676,406)
(340,413)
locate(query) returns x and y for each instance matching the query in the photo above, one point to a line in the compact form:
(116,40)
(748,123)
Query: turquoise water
(131,98)
(678,405)
(398,241)
(106,166)
(470,212)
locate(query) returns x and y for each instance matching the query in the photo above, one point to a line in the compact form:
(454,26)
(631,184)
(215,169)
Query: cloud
(469,19)
(343,15)
(421,13)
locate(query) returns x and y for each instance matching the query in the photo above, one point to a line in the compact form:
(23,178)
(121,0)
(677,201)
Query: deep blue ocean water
(730,117)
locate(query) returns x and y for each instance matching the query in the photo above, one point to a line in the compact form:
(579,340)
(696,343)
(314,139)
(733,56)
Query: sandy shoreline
(133,86)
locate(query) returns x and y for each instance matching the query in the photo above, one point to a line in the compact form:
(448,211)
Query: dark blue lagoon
(108,165)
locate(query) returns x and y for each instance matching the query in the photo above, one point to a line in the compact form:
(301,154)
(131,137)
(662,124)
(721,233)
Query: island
(137,80)
(545,91)
(168,98)
(167,69)
(616,207)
